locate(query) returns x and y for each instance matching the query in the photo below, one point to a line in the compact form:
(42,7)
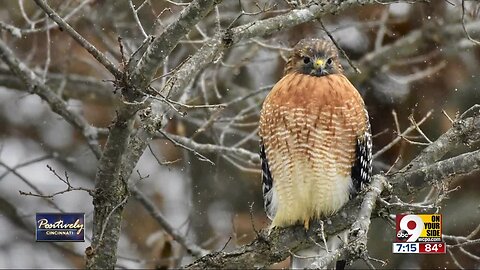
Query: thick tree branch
(411,181)
(111,192)
(67,86)
(164,44)
(120,156)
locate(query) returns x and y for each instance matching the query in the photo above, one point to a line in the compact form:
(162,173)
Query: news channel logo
(419,228)
(419,234)
(61,227)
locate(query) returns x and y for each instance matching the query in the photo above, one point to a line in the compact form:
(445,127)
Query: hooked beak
(319,64)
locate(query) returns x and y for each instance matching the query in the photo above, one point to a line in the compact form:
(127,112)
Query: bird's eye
(329,61)
(306,59)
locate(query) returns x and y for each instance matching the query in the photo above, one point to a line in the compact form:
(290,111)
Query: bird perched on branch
(316,146)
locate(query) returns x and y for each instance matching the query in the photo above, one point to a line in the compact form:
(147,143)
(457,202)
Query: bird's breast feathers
(309,127)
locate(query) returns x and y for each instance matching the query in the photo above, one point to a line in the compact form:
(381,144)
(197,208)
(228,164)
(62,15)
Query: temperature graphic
(419,248)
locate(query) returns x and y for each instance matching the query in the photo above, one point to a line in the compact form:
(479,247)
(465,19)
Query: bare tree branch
(162,46)
(212,148)
(36,86)
(463,132)
(85,88)
(101,58)
(110,192)
(155,213)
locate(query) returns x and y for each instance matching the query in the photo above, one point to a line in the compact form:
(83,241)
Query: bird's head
(315,57)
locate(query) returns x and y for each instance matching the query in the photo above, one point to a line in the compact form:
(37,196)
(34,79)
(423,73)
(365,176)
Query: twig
(414,123)
(382,29)
(394,163)
(181,145)
(17,32)
(200,106)
(367,261)
(476,42)
(467,243)
(47,61)
(474,232)
(322,235)
(454,259)
(245,13)
(420,74)
(27,163)
(158,216)
(250,210)
(380,133)
(211,148)
(382,262)
(448,117)
(64,180)
(475,109)
(24,14)
(104,226)
(401,136)
(135,16)
(357,70)
(271,47)
(50,196)
(401,207)
(225,246)
(29,184)
(163,163)
(13,30)
(101,58)
(241,167)
(177,3)
(414,142)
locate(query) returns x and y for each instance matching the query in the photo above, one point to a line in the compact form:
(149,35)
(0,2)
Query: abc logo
(402,235)
(411,226)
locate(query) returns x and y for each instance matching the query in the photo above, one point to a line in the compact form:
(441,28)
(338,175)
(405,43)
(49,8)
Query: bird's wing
(267,184)
(362,167)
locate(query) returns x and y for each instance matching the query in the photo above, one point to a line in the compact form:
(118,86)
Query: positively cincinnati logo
(66,227)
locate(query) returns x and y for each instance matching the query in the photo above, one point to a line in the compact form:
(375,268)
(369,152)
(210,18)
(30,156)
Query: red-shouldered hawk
(316,147)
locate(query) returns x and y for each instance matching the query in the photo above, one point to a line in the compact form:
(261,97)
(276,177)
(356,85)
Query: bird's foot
(306,224)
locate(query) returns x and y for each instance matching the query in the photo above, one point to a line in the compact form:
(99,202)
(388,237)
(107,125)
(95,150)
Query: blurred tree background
(413,58)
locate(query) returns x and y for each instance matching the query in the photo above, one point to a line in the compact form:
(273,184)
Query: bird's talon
(306,224)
